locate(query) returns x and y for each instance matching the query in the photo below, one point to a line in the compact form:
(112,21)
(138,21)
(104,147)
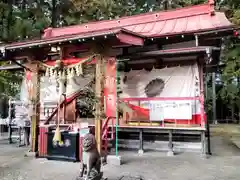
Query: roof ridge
(205,7)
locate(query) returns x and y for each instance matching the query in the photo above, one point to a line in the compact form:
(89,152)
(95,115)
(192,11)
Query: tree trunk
(54,11)
(238,116)
(232,114)
(214,98)
(166,5)
(9,19)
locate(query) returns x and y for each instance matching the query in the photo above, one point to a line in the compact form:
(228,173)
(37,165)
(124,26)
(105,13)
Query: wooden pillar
(203,143)
(200,66)
(140,150)
(203,125)
(170,143)
(209,152)
(206,87)
(10,116)
(35,102)
(100,101)
(214,97)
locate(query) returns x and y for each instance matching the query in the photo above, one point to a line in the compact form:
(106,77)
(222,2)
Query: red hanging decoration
(235,33)
(28,75)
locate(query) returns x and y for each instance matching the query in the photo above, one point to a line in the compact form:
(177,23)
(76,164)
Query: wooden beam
(214,97)
(99,80)
(130,39)
(171,52)
(35,102)
(226,31)
(11,67)
(21,65)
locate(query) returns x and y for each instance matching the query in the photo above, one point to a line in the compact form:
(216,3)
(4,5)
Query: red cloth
(71,61)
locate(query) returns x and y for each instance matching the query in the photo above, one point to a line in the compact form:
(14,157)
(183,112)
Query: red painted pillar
(42,147)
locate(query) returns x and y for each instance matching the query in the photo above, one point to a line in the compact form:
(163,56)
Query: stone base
(98,177)
(83,178)
(170,153)
(30,154)
(140,151)
(114,160)
(205,156)
(131,178)
(103,160)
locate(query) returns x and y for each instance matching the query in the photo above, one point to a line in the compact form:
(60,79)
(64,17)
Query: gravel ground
(223,165)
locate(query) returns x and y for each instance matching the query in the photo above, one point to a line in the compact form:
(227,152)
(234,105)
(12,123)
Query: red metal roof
(53,39)
(121,34)
(180,21)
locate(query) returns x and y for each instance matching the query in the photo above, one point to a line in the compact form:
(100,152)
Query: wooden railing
(105,127)
(63,103)
(49,118)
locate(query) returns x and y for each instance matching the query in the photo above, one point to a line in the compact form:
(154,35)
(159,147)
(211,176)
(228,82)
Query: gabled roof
(157,24)
(135,29)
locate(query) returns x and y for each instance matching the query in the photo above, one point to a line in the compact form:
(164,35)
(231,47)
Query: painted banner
(171,84)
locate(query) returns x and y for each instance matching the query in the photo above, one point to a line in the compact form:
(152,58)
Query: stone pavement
(223,165)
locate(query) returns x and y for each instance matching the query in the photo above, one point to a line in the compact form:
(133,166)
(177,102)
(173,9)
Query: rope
(72,65)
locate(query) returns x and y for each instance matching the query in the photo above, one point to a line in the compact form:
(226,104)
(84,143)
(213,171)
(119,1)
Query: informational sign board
(160,110)
(156,111)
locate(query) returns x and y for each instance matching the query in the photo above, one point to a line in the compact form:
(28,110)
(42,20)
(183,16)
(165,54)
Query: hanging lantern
(28,75)
(77,71)
(51,72)
(72,72)
(80,68)
(68,73)
(59,73)
(54,73)
(47,72)
(53,49)
(58,64)
(57,137)
(64,74)
(30,87)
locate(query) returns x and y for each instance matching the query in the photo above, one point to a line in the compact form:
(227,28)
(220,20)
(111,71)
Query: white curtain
(179,81)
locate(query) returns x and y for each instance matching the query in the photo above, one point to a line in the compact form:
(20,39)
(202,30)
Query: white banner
(160,110)
(173,82)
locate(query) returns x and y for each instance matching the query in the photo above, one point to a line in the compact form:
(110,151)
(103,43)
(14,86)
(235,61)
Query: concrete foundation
(114,160)
(170,153)
(140,151)
(205,156)
(30,154)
